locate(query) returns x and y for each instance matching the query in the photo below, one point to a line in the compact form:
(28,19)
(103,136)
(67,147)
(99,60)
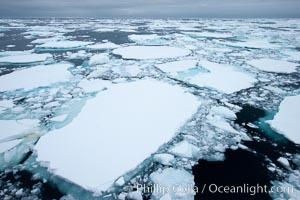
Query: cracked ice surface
(138,108)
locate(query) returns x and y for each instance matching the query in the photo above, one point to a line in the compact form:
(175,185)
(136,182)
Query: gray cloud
(150,8)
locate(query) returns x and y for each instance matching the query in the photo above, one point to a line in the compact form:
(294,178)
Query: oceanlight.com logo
(214,189)
(246,189)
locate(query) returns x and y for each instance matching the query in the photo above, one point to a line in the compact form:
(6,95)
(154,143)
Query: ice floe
(177,66)
(103,46)
(173,183)
(255,44)
(63,45)
(142,110)
(93,85)
(99,59)
(33,77)
(10,128)
(209,34)
(150,52)
(271,65)
(224,78)
(286,121)
(24,59)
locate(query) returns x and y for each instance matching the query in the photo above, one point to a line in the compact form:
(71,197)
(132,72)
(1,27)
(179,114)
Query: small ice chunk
(24,59)
(284,162)
(286,121)
(60,118)
(270,65)
(223,111)
(178,183)
(6,104)
(93,85)
(184,149)
(134,196)
(38,76)
(99,59)
(150,52)
(164,158)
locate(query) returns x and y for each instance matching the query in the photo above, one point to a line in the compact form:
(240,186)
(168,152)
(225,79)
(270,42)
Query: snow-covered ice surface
(116,103)
(25,59)
(138,108)
(286,121)
(270,65)
(37,76)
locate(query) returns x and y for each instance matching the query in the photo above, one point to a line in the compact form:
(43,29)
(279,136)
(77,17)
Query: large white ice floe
(151,39)
(63,45)
(150,52)
(147,114)
(271,65)
(24,59)
(103,46)
(225,78)
(254,44)
(34,77)
(173,184)
(286,121)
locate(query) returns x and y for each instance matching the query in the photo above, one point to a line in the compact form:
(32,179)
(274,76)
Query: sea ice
(255,44)
(63,45)
(93,85)
(184,149)
(270,65)
(209,34)
(224,78)
(4,146)
(33,77)
(145,118)
(10,128)
(177,183)
(286,121)
(150,52)
(99,59)
(103,46)
(152,39)
(24,59)
(177,66)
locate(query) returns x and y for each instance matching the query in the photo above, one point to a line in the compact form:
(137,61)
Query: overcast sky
(149,8)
